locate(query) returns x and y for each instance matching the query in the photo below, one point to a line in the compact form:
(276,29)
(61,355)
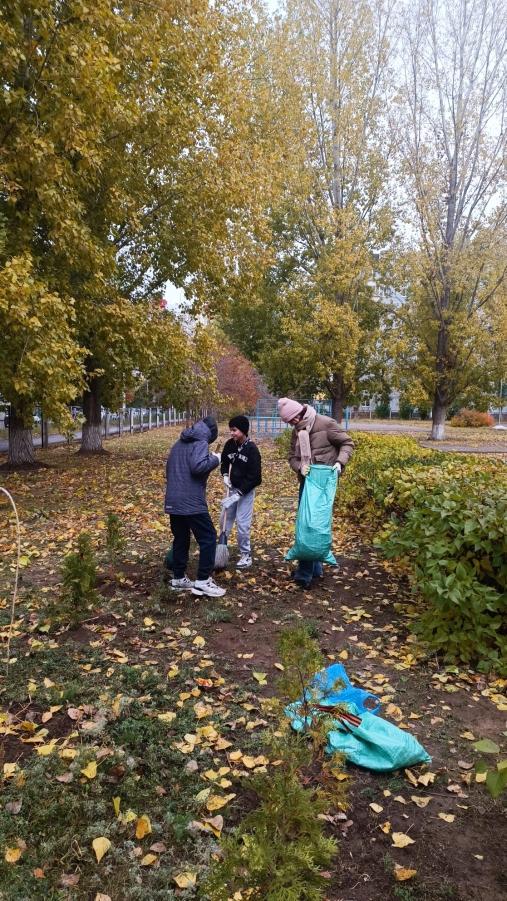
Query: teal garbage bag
(370,741)
(376,744)
(314,518)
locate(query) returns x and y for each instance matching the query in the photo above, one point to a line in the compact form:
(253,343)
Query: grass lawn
(135,731)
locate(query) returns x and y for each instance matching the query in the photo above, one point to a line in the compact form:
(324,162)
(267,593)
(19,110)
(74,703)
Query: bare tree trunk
(21,449)
(438,418)
(441,396)
(91,441)
(337,391)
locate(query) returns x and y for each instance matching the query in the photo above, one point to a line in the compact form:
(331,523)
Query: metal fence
(113,423)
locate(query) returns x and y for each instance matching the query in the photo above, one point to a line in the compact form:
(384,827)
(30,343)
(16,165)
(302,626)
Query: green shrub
(449,522)
(446,518)
(472,419)
(282,442)
(373,467)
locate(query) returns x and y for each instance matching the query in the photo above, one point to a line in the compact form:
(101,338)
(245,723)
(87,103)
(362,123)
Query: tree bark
(337,391)
(91,441)
(21,449)
(438,418)
(441,396)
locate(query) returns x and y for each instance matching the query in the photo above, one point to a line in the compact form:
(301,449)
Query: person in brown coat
(315,439)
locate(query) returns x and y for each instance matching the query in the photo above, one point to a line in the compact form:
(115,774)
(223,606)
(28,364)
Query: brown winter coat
(329,444)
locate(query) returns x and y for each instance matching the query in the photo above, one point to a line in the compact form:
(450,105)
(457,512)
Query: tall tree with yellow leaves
(319,308)
(452,136)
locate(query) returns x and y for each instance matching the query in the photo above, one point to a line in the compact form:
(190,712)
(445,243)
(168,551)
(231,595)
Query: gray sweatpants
(241,513)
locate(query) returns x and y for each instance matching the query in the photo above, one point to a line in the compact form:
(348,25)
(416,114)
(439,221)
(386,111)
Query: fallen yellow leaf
(426,778)
(260,678)
(400,840)
(166,717)
(448,817)
(420,800)
(12,855)
(377,808)
(401,874)
(90,770)
(215,802)
(148,860)
(46,750)
(185,880)
(143,826)
(116,805)
(101,846)
(386,827)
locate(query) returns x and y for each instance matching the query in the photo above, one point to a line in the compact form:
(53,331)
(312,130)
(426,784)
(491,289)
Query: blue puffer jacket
(188,467)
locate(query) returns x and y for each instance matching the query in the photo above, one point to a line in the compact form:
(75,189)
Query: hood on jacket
(200,431)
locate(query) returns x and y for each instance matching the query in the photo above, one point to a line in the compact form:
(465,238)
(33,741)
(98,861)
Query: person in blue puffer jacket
(189,464)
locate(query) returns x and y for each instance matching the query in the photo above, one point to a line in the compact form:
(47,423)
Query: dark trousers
(204,532)
(307,569)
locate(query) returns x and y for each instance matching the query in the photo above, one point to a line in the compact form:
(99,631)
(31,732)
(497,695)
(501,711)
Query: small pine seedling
(79,571)
(114,537)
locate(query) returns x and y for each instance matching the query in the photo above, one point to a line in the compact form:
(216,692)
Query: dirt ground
(359,614)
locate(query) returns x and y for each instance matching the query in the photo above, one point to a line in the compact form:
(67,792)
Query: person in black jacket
(241,469)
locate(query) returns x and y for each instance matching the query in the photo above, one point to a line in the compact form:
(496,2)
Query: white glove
(305,469)
(214,454)
(230,501)
(227,481)
(338,467)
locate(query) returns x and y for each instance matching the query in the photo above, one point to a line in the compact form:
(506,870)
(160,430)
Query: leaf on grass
(386,827)
(148,860)
(143,826)
(199,641)
(12,855)
(260,678)
(400,840)
(448,817)
(116,805)
(46,750)
(185,880)
(377,808)
(90,770)
(468,735)
(215,802)
(101,846)
(166,717)
(401,874)
(101,897)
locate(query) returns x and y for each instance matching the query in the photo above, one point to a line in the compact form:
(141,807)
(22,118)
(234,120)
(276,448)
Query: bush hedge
(446,517)
(472,419)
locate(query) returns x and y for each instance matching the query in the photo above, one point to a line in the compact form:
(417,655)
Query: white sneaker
(209,587)
(183,584)
(244,561)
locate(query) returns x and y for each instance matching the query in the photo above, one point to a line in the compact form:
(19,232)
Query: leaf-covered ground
(127,741)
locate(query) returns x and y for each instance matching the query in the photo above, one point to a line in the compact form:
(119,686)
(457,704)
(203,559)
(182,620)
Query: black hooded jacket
(244,462)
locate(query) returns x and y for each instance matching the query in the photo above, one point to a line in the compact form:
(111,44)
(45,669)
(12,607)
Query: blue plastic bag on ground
(373,743)
(314,518)
(376,744)
(330,687)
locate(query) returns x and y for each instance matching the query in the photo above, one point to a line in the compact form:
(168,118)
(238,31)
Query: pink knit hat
(288,408)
